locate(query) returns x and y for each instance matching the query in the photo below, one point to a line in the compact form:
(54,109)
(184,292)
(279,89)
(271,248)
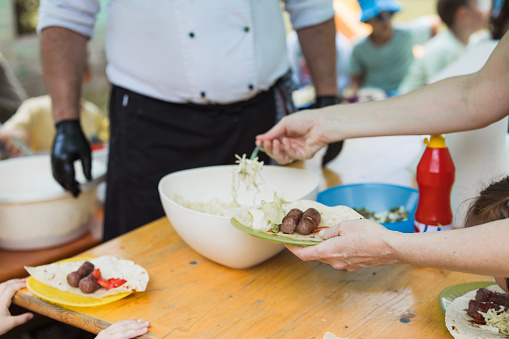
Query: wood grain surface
(189,296)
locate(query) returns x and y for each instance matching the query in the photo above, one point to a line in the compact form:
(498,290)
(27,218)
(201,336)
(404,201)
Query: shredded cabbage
(247,173)
(269,216)
(496,321)
(214,206)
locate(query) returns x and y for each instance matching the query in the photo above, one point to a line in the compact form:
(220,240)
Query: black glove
(70,145)
(334,148)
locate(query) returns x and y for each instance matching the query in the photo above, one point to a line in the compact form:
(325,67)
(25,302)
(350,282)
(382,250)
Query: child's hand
(7,291)
(124,329)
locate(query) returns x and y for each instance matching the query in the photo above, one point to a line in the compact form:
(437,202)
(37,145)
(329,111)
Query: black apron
(150,138)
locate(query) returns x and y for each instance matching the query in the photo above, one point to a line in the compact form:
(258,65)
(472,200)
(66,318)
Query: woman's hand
(351,245)
(124,329)
(7,291)
(297,136)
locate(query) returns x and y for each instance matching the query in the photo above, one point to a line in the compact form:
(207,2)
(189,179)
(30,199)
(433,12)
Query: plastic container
(376,197)
(435,177)
(35,212)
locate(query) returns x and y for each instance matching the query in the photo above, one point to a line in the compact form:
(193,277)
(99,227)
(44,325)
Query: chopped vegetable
(110,283)
(269,216)
(247,173)
(496,321)
(395,214)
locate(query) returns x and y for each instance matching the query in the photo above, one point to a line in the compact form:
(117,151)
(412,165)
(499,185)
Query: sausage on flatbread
(55,275)
(460,324)
(256,218)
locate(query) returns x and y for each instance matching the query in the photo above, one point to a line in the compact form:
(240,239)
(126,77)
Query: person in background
(488,145)
(12,93)
(463,18)
(192,84)
(123,329)
(454,104)
(33,123)
(491,204)
(381,59)
(300,72)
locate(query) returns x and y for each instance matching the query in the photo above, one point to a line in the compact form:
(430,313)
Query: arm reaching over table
(452,105)
(363,243)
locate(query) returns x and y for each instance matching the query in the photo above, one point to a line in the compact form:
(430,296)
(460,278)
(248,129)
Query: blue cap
(371,8)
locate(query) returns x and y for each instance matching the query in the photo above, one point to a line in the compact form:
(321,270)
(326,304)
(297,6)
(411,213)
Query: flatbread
(55,275)
(330,216)
(460,324)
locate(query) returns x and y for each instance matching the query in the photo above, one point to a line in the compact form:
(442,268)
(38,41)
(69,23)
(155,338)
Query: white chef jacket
(199,51)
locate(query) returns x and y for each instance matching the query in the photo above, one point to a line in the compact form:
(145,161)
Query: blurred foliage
(26,16)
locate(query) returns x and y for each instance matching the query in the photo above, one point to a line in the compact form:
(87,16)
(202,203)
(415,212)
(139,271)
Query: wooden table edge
(31,302)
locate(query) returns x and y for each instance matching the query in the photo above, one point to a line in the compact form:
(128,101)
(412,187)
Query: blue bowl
(376,198)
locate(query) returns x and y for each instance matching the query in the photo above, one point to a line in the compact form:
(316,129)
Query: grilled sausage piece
(74,278)
(291,221)
(89,284)
(85,269)
(309,221)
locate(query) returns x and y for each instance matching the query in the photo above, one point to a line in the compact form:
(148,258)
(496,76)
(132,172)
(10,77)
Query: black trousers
(150,138)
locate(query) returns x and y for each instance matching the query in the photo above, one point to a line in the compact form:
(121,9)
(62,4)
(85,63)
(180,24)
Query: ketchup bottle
(435,177)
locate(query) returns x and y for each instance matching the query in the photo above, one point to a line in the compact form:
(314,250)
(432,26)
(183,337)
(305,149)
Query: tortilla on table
(460,324)
(55,275)
(330,216)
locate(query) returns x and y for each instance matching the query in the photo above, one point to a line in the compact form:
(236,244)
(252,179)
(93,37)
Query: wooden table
(189,296)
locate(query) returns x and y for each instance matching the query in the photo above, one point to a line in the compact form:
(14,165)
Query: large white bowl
(35,212)
(213,236)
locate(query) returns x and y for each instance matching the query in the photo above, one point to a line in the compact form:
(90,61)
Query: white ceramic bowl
(213,236)
(35,212)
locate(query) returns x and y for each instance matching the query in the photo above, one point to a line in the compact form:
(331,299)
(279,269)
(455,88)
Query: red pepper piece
(97,273)
(104,283)
(116,282)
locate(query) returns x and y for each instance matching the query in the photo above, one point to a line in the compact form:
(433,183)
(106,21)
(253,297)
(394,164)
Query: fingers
(18,320)
(86,162)
(304,253)
(68,178)
(8,289)
(330,232)
(275,132)
(125,329)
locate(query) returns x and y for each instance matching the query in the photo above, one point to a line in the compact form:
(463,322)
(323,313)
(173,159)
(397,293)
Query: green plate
(447,296)
(271,237)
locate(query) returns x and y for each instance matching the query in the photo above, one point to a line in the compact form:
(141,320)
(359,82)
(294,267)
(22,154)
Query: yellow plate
(54,295)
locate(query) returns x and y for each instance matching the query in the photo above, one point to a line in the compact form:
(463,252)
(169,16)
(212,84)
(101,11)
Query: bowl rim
(411,214)
(55,193)
(173,202)
(330,189)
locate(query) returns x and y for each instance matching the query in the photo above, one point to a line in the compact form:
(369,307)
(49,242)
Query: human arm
(364,243)
(318,45)
(63,74)
(6,138)
(451,105)
(7,291)
(124,329)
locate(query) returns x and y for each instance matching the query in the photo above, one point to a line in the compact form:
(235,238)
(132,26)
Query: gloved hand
(334,148)
(70,145)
